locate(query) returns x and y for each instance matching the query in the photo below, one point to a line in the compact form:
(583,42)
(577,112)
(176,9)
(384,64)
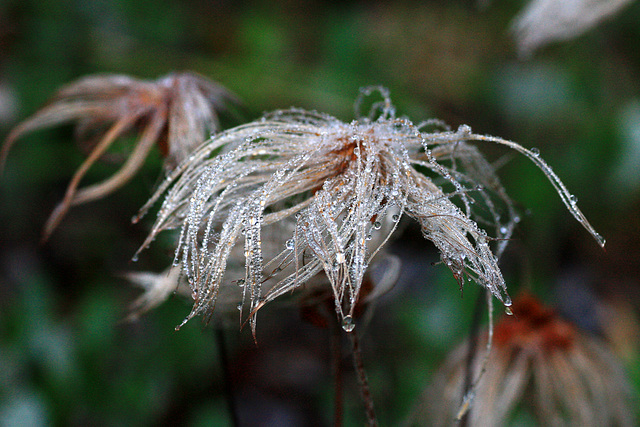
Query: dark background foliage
(66,355)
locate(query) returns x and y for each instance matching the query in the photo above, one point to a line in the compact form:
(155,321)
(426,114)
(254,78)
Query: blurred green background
(66,355)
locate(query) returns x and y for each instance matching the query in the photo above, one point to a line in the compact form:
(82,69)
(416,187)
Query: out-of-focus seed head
(177,112)
(546,21)
(539,363)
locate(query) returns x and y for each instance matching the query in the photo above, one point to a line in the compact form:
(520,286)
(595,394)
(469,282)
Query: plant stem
(473,349)
(362,379)
(226,372)
(336,365)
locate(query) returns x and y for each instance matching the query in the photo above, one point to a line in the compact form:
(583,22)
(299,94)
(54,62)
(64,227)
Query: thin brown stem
(365,391)
(473,350)
(336,365)
(226,372)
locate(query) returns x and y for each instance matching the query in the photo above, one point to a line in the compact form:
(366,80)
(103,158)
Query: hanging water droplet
(503,230)
(348,324)
(508,311)
(395,217)
(377,225)
(535,151)
(241,283)
(573,199)
(239,306)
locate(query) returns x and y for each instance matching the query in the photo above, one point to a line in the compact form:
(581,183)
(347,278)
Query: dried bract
(176,112)
(327,195)
(539,362)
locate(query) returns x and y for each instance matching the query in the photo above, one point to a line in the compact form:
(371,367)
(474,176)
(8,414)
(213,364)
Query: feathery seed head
(539,362)
(301,194)
(175,112)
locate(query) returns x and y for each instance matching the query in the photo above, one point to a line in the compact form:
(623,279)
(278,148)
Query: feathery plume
(175,112)
(540,362)
(300,193)
(546,21)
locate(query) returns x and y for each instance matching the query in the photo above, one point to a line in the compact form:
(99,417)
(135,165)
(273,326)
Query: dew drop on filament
(348,324)
(291,244)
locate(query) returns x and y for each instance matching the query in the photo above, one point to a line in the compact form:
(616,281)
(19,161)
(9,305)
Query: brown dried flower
(539,362)
(326,196)
(176,112)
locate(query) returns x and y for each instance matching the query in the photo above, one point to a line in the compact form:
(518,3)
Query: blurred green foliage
(68,358)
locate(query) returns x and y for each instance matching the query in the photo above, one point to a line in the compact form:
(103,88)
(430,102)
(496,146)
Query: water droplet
(516,219)
(291,244)
(241,283)
(377,225)
(535,151)
(464,129)
(348,324)
(239,306)
(508,311)
(340,259)
(395,217)
(573,199)
(503,230)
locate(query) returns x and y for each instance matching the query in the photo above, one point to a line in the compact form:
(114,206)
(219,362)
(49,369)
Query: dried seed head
(540,362)
(176,112)
(545,21)
(300,193)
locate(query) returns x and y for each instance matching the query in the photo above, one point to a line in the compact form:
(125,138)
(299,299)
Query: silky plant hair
(329,195)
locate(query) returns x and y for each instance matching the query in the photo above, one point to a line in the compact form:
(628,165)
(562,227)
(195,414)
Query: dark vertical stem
(473,350)
(226,373)
(336,365)
(362,379)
